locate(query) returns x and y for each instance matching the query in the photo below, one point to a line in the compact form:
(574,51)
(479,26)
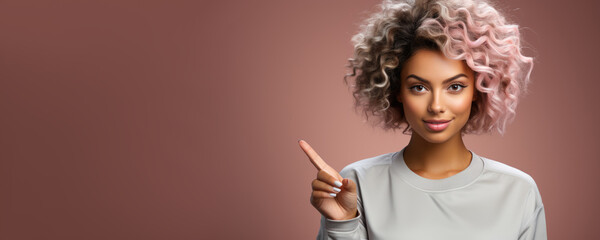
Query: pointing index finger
(312,155)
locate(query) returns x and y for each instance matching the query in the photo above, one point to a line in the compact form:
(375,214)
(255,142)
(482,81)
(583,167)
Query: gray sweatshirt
(487,200)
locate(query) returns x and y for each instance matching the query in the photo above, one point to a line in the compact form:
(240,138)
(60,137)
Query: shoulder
(521,182)
(367,165)
(509,172)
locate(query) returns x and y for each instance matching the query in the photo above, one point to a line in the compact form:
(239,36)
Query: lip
(437,125)
(437,121)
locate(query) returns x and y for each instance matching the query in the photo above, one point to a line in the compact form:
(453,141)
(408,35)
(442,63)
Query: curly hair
(468,30)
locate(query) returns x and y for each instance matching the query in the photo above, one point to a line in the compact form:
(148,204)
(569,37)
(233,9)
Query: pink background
(180,119)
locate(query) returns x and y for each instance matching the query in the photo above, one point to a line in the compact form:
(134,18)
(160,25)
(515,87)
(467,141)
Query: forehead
(434,66)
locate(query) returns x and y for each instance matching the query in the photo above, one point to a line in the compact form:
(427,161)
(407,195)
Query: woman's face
(436,94)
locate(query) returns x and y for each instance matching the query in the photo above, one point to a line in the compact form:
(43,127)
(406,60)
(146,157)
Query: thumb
(349,185)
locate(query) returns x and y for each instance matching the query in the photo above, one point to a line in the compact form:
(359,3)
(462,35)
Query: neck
(437,158)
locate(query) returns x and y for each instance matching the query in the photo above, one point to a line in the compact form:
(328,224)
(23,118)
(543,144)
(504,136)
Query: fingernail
(336,189)
(333,194)
(337,183)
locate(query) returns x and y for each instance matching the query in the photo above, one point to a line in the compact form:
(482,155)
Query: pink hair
(472,31)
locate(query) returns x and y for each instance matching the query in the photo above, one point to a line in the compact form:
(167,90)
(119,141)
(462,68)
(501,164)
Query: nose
(436,104)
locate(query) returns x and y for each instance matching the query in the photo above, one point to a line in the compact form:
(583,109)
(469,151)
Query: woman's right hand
(333,196)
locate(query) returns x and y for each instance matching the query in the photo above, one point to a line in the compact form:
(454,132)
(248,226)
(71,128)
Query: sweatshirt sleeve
(345,229)
(533,226)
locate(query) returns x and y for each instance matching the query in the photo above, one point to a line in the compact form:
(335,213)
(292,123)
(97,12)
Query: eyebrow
(445,81)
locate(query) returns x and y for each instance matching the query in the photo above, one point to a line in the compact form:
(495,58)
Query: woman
(443,69)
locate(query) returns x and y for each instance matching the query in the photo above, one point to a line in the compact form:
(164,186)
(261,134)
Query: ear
(399,97)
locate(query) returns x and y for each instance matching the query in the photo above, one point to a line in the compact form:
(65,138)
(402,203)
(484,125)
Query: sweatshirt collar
(461,179)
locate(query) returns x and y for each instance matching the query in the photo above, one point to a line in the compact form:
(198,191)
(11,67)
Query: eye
(418,88)
(456,87)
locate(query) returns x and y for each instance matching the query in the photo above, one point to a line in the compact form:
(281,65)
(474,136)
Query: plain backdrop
(180,119)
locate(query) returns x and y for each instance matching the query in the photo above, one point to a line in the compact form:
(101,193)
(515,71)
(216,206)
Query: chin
(436,139)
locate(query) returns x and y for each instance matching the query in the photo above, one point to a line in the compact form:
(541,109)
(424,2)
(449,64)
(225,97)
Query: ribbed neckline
(458,180)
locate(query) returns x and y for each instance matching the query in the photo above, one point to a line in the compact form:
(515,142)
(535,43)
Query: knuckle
(322,175)
(315,194)
(315,183)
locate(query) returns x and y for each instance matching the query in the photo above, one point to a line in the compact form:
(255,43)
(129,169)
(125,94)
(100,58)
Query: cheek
(413,107)
(460,106)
